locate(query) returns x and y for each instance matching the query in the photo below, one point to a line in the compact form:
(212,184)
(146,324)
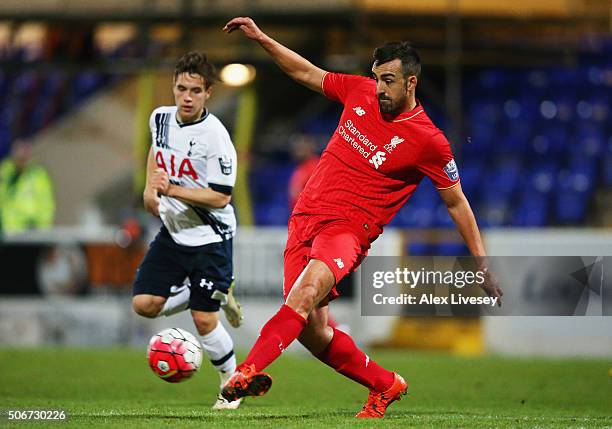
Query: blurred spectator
(304,151)
(26,192)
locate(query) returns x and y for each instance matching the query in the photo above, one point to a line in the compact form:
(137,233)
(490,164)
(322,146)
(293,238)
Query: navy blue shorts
(167,264)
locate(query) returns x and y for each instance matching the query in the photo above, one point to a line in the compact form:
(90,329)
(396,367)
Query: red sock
(343,355)
(276,335)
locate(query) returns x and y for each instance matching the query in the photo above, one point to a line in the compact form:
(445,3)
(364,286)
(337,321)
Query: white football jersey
(199,154)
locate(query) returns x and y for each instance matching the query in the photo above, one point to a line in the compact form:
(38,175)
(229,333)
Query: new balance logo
(339,262)
(378,158)
(359,110)
(367,360)
(393,143)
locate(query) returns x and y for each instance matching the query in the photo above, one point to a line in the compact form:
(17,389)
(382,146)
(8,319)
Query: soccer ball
(174,355)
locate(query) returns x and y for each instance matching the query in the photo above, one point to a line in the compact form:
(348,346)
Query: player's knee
(313,286)
(146,306)
(205,322)
(305,297)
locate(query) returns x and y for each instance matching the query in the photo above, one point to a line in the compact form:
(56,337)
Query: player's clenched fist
(160,181)
(151,201)
(157,184)
(247,25)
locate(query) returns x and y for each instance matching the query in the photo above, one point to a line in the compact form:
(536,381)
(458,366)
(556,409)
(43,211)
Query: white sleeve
(152,128)
(221,162)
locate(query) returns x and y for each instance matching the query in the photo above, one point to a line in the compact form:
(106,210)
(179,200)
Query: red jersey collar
(417,110)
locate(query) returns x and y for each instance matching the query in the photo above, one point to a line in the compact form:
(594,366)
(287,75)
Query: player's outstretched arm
(297,67)
(463,216)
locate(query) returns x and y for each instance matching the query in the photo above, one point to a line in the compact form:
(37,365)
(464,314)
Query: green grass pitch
(115,388)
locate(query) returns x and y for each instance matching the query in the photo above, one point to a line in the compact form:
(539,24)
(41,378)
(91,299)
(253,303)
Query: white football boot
(222,403)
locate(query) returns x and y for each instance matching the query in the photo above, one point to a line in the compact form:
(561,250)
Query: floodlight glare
(237,74)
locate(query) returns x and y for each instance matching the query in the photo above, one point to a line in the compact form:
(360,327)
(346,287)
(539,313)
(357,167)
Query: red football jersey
(371,166)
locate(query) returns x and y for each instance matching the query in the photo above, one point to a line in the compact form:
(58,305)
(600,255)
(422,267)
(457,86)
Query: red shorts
(332,241)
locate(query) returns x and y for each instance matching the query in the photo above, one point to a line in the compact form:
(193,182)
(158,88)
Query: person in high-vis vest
(26,192)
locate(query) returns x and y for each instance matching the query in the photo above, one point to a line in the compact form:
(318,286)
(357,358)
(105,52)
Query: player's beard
(388,106)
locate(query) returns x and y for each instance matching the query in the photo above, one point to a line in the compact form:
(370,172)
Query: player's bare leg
(148,305)
(152,306)
(311,287)
(317,335)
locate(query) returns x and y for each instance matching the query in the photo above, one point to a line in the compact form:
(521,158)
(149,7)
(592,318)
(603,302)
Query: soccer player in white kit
(191,170)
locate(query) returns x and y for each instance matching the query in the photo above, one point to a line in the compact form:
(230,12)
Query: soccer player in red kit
(384,145)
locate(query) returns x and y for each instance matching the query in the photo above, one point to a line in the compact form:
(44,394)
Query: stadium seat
(452,248)
(607,170)
(420,249)
(442,218)
(533,208)
(571,207)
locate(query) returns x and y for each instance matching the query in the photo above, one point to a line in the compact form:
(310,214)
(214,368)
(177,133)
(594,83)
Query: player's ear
(412,83)
(208,92)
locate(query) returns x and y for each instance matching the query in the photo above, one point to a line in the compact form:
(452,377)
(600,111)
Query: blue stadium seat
(4,84)
(607,170)
(601,107)
(502,178)
(420,249)
(571,207)
(269,183)
(471,173)
(538,81)
(25,83)
(495,78)
(493,213)
(452,248)
(442,218)
(572,198)
(533,204)
(415,216)
(541,179)
(5,142)
(271,214)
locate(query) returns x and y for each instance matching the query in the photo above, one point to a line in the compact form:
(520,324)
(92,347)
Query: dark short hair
(411,62)
(196,63)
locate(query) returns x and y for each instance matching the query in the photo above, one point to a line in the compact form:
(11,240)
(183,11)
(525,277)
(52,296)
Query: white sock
(177,301)
(220,349)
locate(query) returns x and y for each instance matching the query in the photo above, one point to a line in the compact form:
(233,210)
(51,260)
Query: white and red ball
(174,355)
